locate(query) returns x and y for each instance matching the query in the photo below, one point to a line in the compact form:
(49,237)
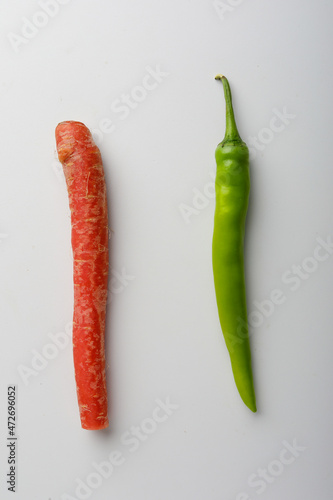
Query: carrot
(83,169)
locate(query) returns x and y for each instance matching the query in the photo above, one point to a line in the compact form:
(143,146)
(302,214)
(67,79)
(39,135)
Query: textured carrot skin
(83,169)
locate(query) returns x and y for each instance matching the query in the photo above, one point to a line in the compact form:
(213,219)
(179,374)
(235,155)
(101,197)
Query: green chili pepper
(232,188)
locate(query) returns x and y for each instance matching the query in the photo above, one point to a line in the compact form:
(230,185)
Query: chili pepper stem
(231,132)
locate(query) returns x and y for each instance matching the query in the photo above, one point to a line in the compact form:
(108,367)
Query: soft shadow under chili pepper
(232,188)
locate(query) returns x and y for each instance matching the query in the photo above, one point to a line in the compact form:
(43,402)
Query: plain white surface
(163,335)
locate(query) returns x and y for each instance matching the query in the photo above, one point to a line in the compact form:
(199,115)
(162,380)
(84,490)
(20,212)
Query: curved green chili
(232,187)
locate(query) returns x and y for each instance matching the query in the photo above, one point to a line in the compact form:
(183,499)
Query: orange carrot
(83,169)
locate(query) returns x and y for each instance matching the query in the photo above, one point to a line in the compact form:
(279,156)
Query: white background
(163,334)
